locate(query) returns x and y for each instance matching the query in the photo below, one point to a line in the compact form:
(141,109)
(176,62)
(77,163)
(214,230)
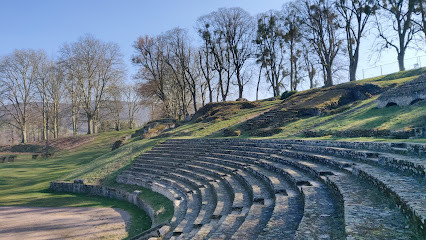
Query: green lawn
(25,182)
(105,168)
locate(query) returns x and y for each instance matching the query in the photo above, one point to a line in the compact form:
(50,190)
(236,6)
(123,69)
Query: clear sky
(47,24)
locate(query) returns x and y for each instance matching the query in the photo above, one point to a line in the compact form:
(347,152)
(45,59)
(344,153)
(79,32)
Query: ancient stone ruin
(287,189)
(404,95)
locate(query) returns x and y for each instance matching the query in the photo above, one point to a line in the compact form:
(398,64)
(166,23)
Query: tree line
(310,40)
(86,80)
(307,41)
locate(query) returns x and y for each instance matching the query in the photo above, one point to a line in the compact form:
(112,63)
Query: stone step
(212,179)
(180,202)
(223,156)
(193,195)
(363,205)
(417,149)
(208,196)
(223,203)
(227,173)
(405,164)
(262,188)
(408,192)
(259,212)
(242,198)
(288,209)
(400,150)
(321,214)
(323,217)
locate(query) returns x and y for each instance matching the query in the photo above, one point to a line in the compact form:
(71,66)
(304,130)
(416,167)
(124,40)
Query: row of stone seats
(405,184)
(323,212)
(250,215)
(343,174)
(284,189)
(238,204)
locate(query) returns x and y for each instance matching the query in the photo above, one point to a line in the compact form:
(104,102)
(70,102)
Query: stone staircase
(287,189)
(271,119)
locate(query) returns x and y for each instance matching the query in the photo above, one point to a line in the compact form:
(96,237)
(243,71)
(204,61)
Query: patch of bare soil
(62,223)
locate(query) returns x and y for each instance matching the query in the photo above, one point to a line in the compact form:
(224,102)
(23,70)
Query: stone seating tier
(287,189)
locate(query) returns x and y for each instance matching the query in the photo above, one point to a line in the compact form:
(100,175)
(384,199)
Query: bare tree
(98,65)
(308,59)
(237,28)
(355,15)
(322,29)
(55,89)
(151,58)
(205,55)
(293,37)
(115,103)
(400,31)
(178,56)
(193,75)
(419,11)
(133,101)
(213,34)
(147,92)
(18,75)
(270,50)
(71,75)
(44,74)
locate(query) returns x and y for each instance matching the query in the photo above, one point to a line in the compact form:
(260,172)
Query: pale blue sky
(47,24)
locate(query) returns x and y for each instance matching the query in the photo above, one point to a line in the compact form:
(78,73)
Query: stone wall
(405,94)
(78,186)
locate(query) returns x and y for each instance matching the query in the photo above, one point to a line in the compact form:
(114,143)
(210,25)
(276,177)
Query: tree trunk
(210,92)
(401,60)
(240,84)
(352,70)
(117,125)
(94,125)
(24,133)
(131,123)
(291,67)
(277,90)
(194,100)
(329,78)
(44,130)
(258,83)
(74,122)
(89,124)
(55,120)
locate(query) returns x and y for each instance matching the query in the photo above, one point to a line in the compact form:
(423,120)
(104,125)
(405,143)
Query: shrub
(287,94)
(266,132)
(248,105)
(231,133)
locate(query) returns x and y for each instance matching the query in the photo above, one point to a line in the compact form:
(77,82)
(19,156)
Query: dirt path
(62,223)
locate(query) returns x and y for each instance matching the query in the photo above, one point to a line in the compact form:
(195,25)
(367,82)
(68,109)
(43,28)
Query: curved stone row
(286,189)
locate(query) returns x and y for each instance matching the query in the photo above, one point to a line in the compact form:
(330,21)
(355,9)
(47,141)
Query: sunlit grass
(25,182)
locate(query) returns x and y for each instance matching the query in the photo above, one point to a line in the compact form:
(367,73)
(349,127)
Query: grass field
(25,182)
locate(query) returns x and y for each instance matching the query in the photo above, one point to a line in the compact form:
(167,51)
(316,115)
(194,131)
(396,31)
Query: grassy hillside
(215,117)
(334,117)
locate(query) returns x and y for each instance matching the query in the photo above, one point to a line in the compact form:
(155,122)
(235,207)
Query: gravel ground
(62,223)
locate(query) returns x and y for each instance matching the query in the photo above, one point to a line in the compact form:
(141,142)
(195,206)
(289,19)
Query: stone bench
(404,190)
(323,178)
